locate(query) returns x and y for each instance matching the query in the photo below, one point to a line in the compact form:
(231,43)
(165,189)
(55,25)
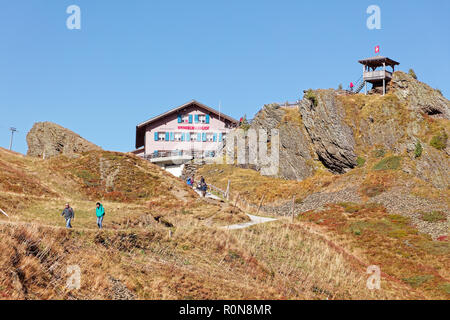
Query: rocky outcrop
(420,96)
(432,166)
(47,139)
(331,129)
(310,134)
(296,156)
(331,137)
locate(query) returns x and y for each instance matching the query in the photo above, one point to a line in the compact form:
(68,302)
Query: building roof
(137,151)
(378,61)
(140,128)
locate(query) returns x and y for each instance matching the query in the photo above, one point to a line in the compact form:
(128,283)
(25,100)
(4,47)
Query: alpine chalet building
(192,130)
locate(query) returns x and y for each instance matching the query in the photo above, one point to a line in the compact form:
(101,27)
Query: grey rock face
(47,139)
(433,166)
(295,160)
(332,139)
(420,96)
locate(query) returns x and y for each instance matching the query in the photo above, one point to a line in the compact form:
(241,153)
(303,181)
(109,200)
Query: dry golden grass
(170,245)
(252,186)
(366,231)
(390,242)
(197,262)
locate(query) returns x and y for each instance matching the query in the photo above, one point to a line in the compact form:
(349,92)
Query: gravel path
(315,201)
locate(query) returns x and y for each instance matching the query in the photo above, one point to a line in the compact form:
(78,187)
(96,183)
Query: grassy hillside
(161,241)
(378,213)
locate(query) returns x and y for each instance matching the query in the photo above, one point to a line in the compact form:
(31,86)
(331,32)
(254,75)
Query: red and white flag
(377,49)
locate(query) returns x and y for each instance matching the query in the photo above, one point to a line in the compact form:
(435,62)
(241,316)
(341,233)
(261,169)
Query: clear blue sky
(132,60)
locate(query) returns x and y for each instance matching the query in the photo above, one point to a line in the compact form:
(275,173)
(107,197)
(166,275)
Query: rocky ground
(396,201)
(315,201)
(399,201)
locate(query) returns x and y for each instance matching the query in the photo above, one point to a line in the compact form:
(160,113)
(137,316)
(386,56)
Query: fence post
(260,203)
(237,198)
(227,193)
(293,207)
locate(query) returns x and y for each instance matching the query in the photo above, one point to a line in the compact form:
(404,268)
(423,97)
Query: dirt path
(253,221)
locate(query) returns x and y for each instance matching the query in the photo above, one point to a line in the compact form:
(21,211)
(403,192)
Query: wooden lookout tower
(379,78)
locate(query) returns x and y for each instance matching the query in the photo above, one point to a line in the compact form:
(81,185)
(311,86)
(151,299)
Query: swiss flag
(377,49)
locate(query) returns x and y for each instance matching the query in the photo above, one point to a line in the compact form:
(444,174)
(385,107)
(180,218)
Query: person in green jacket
(100,212)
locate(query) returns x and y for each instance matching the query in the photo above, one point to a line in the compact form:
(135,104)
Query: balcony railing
(193,154)
(377,75)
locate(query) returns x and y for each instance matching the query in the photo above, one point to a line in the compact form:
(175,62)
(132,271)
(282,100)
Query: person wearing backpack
(69,215)
(100,213)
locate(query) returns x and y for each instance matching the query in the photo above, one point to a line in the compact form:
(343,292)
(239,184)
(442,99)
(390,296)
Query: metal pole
(12,136)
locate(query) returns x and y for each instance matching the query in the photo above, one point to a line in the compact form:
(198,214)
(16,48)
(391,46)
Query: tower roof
(378,61)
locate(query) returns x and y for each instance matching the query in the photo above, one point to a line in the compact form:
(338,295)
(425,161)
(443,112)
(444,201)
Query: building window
(202,118)
(193,136)
(178,136)
(161,136)
(183,118)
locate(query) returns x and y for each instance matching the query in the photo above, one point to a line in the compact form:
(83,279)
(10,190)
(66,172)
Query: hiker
(69,215)
(203,187)
(351,86)
(100,213)
(189,182)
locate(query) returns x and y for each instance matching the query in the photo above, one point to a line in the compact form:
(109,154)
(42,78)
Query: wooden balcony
(377,75)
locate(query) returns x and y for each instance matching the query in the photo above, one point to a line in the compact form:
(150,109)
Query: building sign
(193,128)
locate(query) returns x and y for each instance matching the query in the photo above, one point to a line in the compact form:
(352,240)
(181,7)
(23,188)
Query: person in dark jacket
(203,186)
(69,215)
(100,213)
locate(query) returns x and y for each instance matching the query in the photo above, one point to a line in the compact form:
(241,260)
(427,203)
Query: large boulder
(296,156)
(332,139)
(47,139)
